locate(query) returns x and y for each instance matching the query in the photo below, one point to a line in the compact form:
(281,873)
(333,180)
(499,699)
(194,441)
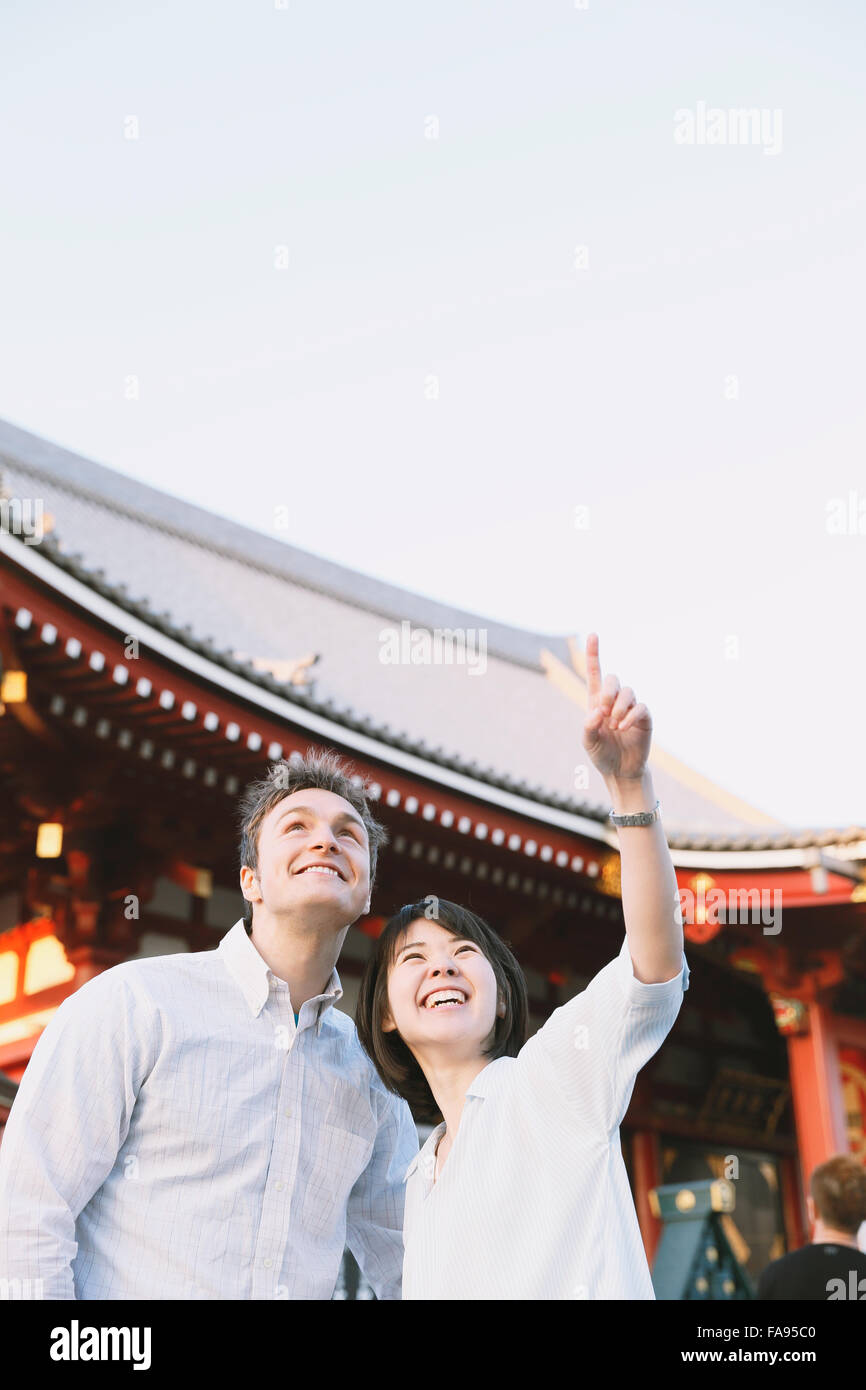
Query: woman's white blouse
(533,1200)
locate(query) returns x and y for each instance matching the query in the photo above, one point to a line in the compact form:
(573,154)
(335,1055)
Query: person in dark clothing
(832,1267)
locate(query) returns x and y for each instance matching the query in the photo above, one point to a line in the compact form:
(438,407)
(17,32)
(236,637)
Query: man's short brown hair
(316,768)
(394,1062)
(839,1193)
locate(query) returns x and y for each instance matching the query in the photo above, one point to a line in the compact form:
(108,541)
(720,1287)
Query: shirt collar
(482,1083)
(425,1158)
(253,975)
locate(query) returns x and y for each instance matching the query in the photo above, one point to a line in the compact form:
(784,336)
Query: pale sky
(340,266)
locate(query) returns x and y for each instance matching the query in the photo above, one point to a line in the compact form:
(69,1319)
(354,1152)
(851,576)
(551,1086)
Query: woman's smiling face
(442,992)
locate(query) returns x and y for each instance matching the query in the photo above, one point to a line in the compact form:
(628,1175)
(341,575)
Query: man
(206,1125)
(832,1267)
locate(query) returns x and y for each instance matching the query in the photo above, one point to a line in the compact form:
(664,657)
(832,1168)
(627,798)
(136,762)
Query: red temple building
(155,656)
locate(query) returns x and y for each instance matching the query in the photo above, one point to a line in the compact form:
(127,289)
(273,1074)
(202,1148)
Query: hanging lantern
(49,840)
(13,687)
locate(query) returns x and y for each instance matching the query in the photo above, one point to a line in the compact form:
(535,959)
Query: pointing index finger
(593,668)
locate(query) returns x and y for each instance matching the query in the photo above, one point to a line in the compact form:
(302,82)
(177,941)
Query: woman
(520,1191)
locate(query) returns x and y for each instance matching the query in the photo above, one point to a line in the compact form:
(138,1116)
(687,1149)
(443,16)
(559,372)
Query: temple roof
(256,605)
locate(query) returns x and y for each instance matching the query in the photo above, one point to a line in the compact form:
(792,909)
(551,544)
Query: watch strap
(637,817)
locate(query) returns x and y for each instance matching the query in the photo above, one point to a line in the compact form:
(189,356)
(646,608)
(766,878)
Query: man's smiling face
(313,860)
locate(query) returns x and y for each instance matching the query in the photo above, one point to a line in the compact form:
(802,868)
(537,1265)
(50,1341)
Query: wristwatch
(638,817)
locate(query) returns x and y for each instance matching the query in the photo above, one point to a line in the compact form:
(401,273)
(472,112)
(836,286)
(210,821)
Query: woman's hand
(617,731)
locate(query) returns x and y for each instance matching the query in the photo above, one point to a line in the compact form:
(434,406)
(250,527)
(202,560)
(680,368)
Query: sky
(498,302)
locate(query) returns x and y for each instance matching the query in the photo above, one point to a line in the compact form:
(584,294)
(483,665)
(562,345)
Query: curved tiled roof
(190,573)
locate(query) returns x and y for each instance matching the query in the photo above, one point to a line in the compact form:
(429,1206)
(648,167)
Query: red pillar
(816,1087)
(793,1204)
(646,1169)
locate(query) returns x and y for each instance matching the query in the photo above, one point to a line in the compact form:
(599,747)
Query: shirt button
(288,1114)
(279,1186)
(268,1263)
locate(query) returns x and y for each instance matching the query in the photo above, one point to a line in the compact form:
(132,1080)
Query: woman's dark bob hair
(388,1052)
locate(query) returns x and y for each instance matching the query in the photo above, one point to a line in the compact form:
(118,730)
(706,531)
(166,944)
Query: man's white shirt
(533,1200)
(176,1136)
